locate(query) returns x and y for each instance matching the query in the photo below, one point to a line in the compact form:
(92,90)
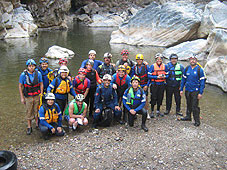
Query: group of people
(105,91)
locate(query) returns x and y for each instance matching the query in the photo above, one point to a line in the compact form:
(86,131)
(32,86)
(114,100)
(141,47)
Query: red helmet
(82,71)
(61,60)
(124,52)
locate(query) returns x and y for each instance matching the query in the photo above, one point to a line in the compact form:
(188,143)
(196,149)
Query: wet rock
(91,8)
(187,49)
(214,16)
(105,20)
(59,52)
(84,18)
(160,25)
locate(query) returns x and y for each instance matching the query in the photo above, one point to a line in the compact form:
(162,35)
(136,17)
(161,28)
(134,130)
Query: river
(80,39)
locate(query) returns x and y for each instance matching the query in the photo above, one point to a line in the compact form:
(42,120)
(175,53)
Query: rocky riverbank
(169,144)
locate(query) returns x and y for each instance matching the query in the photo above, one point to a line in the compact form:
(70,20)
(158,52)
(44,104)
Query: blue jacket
(139,70)
(150,76)
(22,79)
(192,81)
(95,66)
(139,102)
(171,80)
(105,96)
(57,95)
(42,117)
(44,77)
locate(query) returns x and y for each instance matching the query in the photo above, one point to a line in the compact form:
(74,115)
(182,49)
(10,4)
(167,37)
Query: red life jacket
(81,86)
(31,88)
(121,85)
(158,71)
(142,75)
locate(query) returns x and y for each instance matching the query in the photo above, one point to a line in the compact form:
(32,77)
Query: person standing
(194,82)
(30,87)
(158,73)
(173,84)
(134,100)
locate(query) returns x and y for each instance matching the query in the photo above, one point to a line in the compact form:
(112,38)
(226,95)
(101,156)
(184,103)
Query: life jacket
(31,88)
(91,75)
(129,67)
(76,109)
(45,77)
(121,84)
(63,87)
(142,75)
(177,72)
(106,70)
(159,71)
(81,86)
(51,115)
(131,97)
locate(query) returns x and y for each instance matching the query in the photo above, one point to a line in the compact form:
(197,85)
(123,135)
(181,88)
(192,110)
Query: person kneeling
(134,100)
(50,117)
(76,112)
(106,99)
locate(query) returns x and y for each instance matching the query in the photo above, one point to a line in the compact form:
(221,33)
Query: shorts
(31,106)
(79,120)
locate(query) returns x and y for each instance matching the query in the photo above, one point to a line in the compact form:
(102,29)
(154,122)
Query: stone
(187,49)
(160,25)
(91,8)
(84,18)
(59,52)
(216,72)
(105,21)
(214,16)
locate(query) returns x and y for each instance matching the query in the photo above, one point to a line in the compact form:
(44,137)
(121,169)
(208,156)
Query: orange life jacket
(159,71)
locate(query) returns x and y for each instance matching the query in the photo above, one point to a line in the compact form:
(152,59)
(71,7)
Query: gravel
(169,144)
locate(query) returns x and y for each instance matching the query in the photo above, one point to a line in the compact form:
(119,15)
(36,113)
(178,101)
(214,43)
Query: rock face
(106,20)
(50,13)
(187,49)
(160,25)
(59,52)
(16,23)
(214,16)
(216,72)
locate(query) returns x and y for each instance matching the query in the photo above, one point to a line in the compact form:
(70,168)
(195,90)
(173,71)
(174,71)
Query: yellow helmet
(121,67)
(135,78)
(139,57)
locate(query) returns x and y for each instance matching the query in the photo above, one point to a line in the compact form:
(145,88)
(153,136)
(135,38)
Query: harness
(31,88)
(104,69)
(142,75)
(50,115)
(159,71)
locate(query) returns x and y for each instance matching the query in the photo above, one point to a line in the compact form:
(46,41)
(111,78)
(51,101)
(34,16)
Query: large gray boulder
(214,16)
(160,25)
(187,49)
(59,52)
(50,13)
(216,72)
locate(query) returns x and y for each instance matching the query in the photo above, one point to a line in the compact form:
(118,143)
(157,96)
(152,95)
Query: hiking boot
(152,114)
(166,112)
(121,122)
(143,126)
(29,131)
(179,114)
(159,113)
(186,118)
(196,124)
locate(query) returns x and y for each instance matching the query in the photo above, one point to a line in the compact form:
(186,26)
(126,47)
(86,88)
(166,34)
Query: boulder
(216,72)
(214,16)
(50,13)
(59,52)
(84,18)
(187,49)
(106,21)
(160,25)
(91,8)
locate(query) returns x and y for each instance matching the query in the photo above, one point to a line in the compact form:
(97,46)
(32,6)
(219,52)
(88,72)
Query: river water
(80,39)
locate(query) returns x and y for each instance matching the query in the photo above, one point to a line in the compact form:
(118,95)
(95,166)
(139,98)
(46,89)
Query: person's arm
(202,81)
(125,100)
(115,98)
(98,98)
(88,87)
(83,64)
(85,110)
(99,69)
(132,71)
(42,118)
(151,70)
(183,81)
(51,85)
(98,79)
(40,78)
(143,103)
(167,71)
(22,99)
(72,91)
(128,80)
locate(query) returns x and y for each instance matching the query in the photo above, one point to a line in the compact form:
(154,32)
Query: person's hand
(59,129)
(113,64)
(53,130)
(145,88)
(114,86)
(181,93)
(22,99)
(97,110)
(117,108)
(145,63)
(132,111)
(126,65)
(199,96)
(82,118)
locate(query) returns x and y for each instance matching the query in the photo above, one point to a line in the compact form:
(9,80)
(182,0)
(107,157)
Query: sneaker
(158,113)
(148,116)
(144,128)
(152,114)
(186,118)
(29,131)
(74,127)
(166,112)
(179,114)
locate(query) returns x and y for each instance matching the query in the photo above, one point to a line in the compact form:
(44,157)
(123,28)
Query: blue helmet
(30,62)
(43,60)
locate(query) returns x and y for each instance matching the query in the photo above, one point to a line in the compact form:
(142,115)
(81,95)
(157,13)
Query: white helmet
(107,55)
(159,55)
(92,52)
(79,97)
(63,69)
(107,77)
(50,96)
